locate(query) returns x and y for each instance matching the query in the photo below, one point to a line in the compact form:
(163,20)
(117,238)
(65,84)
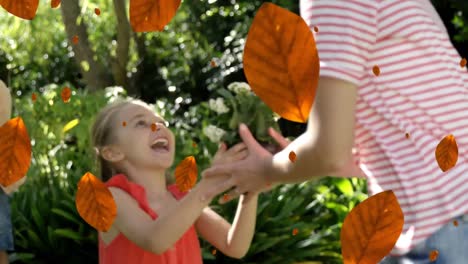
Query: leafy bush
(48,229)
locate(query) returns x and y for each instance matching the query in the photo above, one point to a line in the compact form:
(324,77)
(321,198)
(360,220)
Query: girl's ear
(112,154)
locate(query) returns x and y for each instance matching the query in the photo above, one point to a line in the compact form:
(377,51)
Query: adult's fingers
(282,141)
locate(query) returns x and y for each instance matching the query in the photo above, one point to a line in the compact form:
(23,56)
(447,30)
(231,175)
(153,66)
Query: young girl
(156,223)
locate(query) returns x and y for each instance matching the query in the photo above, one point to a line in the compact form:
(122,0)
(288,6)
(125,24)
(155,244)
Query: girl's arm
(233,240)
(160,235)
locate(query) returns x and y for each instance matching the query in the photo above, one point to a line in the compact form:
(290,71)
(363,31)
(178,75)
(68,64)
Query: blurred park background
(178,69)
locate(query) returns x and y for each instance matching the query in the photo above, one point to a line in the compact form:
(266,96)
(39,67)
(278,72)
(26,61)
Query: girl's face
(141,146)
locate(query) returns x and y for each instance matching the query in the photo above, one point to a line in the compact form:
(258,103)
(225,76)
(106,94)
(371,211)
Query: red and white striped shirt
(421,90)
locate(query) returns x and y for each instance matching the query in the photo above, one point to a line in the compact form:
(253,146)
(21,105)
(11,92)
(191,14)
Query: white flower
(239,87)
(218,105)
(214,133)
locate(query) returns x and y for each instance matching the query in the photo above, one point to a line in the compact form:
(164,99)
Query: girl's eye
(141,123)
(163,123)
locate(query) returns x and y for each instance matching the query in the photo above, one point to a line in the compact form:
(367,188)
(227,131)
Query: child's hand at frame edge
(5,103)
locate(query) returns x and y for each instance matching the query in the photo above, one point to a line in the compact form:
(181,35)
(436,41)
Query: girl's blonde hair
(102,133)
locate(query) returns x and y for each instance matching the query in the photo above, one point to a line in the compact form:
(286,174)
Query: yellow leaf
(71,125)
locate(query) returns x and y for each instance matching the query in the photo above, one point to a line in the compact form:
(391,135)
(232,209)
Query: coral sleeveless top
(123,251)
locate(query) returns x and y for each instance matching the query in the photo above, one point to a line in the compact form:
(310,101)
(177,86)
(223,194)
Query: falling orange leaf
(433,255)
(194,144)
(455,222)
(97,11)
(371,229)
(95,203)
(213,252)
(376,70)
(152,15)
(447,153)
(225,197)
(463,63)
(25,9)
(75,39)
(55,3)
(213,63)
(407,135)
(124,123)
(295,231)
(15,154)
(316,29)
(66,94)
(279,70)
(34,97)
(154,127)
(186,174)
(292,156)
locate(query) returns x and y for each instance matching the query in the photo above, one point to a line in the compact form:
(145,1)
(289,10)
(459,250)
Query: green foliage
(48,228)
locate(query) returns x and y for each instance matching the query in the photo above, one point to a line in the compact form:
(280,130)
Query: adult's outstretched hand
(250,175)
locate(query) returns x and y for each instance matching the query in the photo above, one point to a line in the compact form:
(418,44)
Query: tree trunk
(119,63)
(96,75)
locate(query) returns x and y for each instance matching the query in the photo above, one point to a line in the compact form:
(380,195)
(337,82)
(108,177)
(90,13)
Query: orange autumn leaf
(407,135)
(376,70)
(447,153)
(455,222)
(433,255)
(186,174)
(371,229)
(213,63)
(225,197)
(124,123)
(292,156)
(15,151)
(55,3)
(295,231)
(213,252)
(281,62)
(25,9)
(152,15)
(194,144)
(95,203)
(66,94)
(316,29)
(33,97)
(97,11)
(463,63)
(75,39)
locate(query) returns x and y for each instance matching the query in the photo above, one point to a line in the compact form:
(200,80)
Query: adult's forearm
(314,160)
(5,104)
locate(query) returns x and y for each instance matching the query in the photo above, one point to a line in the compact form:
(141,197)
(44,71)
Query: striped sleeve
(346,32)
